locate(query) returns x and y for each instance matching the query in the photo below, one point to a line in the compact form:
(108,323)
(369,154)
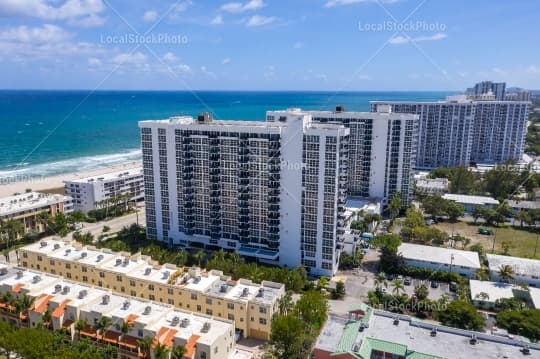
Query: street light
(451,261)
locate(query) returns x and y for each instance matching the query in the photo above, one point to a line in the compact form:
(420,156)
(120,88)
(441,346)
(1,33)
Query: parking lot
(434,293)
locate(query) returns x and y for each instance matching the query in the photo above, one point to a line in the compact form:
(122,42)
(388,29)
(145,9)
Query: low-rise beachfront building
(469,202)
(523,205)
(524,270)
(432,185)
(484,294)
(27,208)
(249,304)
(465,263)
(366,333)
(91,193)
(67,302)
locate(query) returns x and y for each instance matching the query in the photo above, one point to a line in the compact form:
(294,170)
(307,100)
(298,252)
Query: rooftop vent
(118,261)
(43,244)
(99,257)
(204,117)
(56,246)
(166,274)
(185,322)
(433,332)
(223,288)
(19,274)
(105,299)
(83,293)
(66,290)
(396,320)
(526,350)
(473,340)
(84,254)
(147,271)
(261,292)
(68,251)
(147,310)
(126,261)
(175,320)
(197,279)
(206,327)
(3,271)
(126,304)
(57,288)
(340,108)
(245,292)
(36,279)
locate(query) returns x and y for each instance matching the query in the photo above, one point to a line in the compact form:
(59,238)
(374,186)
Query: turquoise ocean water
(45,133)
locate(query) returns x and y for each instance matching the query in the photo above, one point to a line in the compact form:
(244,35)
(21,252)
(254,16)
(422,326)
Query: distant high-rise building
(271,190)
(382,151)
(498,89)
(464,129)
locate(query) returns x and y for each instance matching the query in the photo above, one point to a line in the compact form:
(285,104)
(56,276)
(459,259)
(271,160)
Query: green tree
(285,303)
(287,337)
(339,292)
(462,180)
(79,326)
(454,210)
(477,212)
(461,314)
(380,281)
(145,344)
(522,217)
(506,273)
(398,287)
(312,308)
(421,292)
(178,352)
(521,322)
(102,326)
(394,206)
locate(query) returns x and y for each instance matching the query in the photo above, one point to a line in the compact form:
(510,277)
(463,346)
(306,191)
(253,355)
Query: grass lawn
(522,241)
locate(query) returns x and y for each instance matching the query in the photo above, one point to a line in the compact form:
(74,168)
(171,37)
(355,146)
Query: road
(115,224)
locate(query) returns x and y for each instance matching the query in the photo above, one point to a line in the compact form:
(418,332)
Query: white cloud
(218,20)
(238,7)
(94,62)
(226,61)
(298,45)
(533,69)
(179,8)
(136,59)
(169,57)
(207,73)
(45,34)
(183,68)
(333,3)
(77,12)
(150,16)
(259,20)
(399,40)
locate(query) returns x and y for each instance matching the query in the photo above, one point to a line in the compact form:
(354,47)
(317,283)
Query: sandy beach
(56,182)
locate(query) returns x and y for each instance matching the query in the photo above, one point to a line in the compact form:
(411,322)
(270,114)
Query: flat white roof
(535,296)
(432,182)
(123,264)
(494,290)
(521,266)
(153,274)
(73,293)
(28,281)
(33,200)
(131,172)
(440,255)
(479,200)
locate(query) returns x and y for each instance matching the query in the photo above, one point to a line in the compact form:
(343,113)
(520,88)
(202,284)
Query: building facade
(203,336)
(524,270)
(269,190)
(27,208)
(382,151)
(91,192)
(478,127)
(250,305)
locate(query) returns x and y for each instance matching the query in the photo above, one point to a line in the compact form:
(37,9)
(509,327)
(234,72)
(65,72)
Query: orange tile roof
(61,308)
(131,318)
(190,345)
(41,303)
(165,336)
(17,287)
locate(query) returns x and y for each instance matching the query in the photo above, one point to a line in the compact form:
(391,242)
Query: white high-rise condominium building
(89,192)
(498,89)
(462,130)
(270,190)
(382,151)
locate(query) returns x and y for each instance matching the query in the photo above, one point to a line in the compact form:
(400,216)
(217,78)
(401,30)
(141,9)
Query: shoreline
(54,183)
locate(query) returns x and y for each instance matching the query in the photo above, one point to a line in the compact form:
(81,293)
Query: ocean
(46,133)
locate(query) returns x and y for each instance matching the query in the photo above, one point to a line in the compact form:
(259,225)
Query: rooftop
(477,200)
(32,200)
(494,290)
(27,281)
(433,182)
(440,255)
(412,339)
(524,204)
(521,266)
(137,171)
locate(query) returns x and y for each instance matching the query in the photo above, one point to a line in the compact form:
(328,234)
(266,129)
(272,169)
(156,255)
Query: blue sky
(342,45)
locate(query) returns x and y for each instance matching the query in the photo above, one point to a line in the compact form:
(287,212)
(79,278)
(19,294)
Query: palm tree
(482,296)
(285,303)
(506,273)
(199,257)
(220,255)
(144,346)
(103,326)
(380,280)
(22,305)
(178,352)
(398,287)
(234,257)
(522,216)
(13,229)
(47,318)
(160,351)
(394,206)
(125,328)
(79,326)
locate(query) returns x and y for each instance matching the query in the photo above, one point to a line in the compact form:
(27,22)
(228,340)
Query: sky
(338,45)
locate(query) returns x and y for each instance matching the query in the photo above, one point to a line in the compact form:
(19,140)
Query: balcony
(215,207)
(243,219)
(244,182)
(243,226)
(273,208)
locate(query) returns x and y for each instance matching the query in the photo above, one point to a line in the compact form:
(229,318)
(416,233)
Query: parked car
(390,276)
(485,231)
(434,284)
(407,281)
(400,278)
(453,286)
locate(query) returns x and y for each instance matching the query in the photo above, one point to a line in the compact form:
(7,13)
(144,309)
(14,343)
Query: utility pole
(493,246)
(451,261)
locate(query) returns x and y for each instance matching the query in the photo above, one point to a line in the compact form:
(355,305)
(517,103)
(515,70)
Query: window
(25,255)
(39,258)
(230,316)
(84,269)
(198,308)
(262,321)
(170,291)
(85,278)
(118,278)
(208,311)
(101,275)
(132,283)
(262,310)
(203,355)
(151,297)
(230,306)
(68,275)
(133,293)
(209,301)
(193,296)
(170,301)
(150,286)
(51,262)
(68,266)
